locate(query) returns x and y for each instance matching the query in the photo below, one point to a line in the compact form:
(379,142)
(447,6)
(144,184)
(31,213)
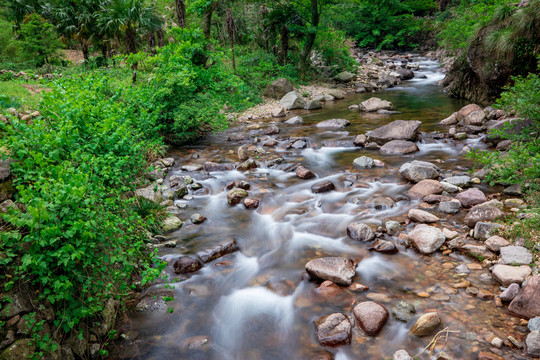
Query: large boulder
(375,104)
(313,105)
(422,216)
(527,302)
(399,147)
(171,223)
(405,74)
(364,162)
(425,187)
(396,130)
(427,239)
(371,317)
(333,330)
(337,269)
(361,232)
(333,124)
(292,100)
(482,215)
(345,77)
(475,118)
(418,170)
(506,274)
(484,230)
(471,197)
(509,127)
(466,110)
(278,88)
(515,255)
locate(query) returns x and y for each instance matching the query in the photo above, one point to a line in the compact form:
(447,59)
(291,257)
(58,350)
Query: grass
(29,95)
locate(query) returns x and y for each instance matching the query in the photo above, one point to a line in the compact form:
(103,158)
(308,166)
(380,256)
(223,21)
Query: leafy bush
(39,39)
(334,47)
(79,239)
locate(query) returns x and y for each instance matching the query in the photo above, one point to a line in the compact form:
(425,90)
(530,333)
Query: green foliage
(334,47)
(381,24)
(39,39)
(79,240)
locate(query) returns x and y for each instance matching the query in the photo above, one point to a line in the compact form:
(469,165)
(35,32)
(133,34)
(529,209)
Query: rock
(405,74)
(299,144)
(495,243)
(360,231)
(304,173)
(392,227)
(510,126)
(5,169)
(514,190)
(279,112)
(220,250)
(292,100)
(471,197)
(323,186)
(534,324)
(345,77)
(491,203)
(363,162)
(451,120)
(532,342)
(337,269)
(399,147)
(427,239)
(360,140)
(236,195)
(450,207)
(474,118)
(171,223)
(384,246)
(19,304)
(374,104)
(243,185)
(418,170)
(278,88)
(211,166)
(450,235)
(459,181)
(338,143)
(484,230)
(515,255)
(333,124)
(200,343)
(396,130)
(527,302)
(422,216)
(403,311)
(449,188)
(383,203)
(186,264)
(20,349)
(247,165)
(466,110)
(197,218)
(425,187)
(178,192)
(152,193)
(371,317)
(506,274)
(236,138)
(333,330)
(482,215)
(484,355)
(243,153)
(426,324)
(271,130)
(251,203)
(297,120)
(510,292)
(337,94)
(477,252)
(401,355)
(313,105)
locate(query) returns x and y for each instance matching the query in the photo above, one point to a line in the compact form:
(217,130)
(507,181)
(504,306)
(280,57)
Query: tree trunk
(160,38)
(104,49)
(310,38)
(152,42)
(231,30)
(181,13)
(131,40)
(284,51)
(85,50)
(207,19)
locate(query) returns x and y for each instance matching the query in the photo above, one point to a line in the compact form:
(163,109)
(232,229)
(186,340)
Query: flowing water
(258,303)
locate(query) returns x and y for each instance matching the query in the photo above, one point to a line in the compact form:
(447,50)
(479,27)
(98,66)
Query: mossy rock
(20,349)
(6,190)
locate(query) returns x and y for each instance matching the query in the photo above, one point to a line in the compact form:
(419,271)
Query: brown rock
(323,186)
(527,302)
(304,173)
(218,251)
(484,355)
(471,197)
(333,330)
(426,324)
(186,264)
(371,317)
(424,188)
(251,203)
(466,110)
(337,269)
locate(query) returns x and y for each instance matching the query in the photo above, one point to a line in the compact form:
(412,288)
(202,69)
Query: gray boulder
(337,269)
(459,181)
(506,274)
(515,255)
(292,100)
(418,170)
(532,342)
(278,88)
(313,105)
(345,77)
(297,120)
(510,292)
(360,231)
(399,147)
(396,130)
(427,239)
(527,302)
(371,317)
(484,230)
(333,124)
(450,207)
(482,215)
(471,197)
(364,162)
(333,330)
(374,104)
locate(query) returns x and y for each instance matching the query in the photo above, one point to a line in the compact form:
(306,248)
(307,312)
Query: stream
(259,303)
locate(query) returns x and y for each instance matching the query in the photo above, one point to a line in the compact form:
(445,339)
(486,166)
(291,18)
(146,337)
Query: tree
(180,12)
(39,39)
(128,19)
(310,38)
(231,30)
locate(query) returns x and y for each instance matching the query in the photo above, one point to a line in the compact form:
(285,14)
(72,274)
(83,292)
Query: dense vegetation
(162,72)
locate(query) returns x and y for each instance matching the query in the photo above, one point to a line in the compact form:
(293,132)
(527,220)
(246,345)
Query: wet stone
(333,124)
(419,170)
(243,185)
(337,269)
(186,264)
(304,173)
(424,188)
(401,355)
(360,231)
(399,147)
(426,324)
(236,195)
(271,130)
(220,250)
(384,246)
(510,293)
(251,203)
(427,239)
(403,311)
(323,186)
(197,218)
(484,355)
(383,203)
(333,330)
(363,162)
(297,120)
(371,317)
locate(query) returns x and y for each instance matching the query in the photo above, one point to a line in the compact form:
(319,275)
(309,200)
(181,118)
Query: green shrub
(39,39)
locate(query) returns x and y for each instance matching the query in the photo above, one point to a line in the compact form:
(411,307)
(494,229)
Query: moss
(6,190)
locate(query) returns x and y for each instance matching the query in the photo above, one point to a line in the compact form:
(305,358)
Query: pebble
(474,266)
(497,342)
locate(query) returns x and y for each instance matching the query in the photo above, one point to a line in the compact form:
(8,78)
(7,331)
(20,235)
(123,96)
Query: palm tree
(128,19)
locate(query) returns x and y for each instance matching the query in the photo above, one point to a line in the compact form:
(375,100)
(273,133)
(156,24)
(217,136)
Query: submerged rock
(333,124)
(403,311)
(333,330)
(337,269)
(399,147)
(426,324)
(371,317)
